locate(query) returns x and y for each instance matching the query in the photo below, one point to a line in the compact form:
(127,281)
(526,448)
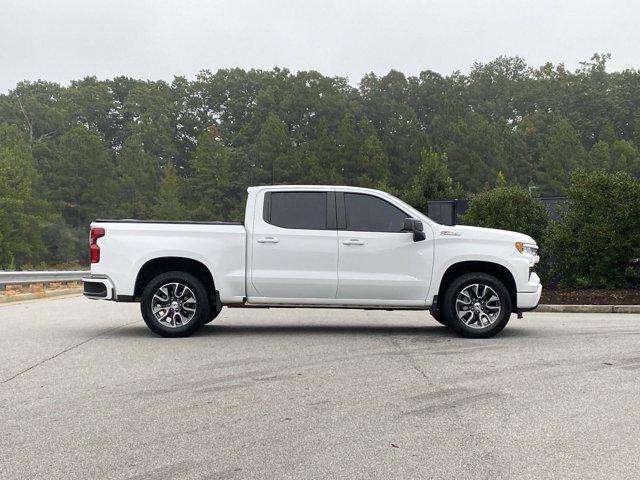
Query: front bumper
(98,288)
(529,300)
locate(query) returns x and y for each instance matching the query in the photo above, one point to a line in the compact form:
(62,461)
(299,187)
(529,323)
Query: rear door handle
(268,240)
(353,241)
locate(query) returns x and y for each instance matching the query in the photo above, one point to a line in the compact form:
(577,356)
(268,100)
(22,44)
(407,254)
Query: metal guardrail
(26,278)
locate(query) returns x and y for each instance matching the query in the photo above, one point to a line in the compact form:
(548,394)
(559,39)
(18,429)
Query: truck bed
(128,245)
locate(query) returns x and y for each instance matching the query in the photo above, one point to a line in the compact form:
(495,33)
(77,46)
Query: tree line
(188,149)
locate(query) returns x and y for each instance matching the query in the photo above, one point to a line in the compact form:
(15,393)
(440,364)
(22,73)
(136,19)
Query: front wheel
(477,305)
(214,314)
(175,304)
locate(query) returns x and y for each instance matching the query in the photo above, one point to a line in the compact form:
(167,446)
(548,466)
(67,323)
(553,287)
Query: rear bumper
(529,300)
(98,288)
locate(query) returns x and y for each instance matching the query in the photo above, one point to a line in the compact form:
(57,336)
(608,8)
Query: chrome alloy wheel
(478,305)
(173,305)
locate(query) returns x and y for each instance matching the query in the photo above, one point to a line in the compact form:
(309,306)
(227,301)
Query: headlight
(530,248)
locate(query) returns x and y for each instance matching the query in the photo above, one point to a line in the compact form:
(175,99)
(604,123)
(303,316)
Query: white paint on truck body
(264,264)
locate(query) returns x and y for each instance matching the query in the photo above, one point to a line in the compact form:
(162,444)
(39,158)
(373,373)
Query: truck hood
(480,233)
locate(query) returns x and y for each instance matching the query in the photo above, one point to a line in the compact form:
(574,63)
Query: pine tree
(372,164)
(168,206)
(432,181)
(326,151)
(20,225)
(349,146)
(270,148)
(210,190)
(562,155)
(140,178)
(599,157)
(81,177)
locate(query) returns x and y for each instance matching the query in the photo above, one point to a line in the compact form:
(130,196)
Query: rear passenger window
(304,210)
(366,213)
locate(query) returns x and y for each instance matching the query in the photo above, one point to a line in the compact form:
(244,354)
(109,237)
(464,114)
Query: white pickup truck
(315,246)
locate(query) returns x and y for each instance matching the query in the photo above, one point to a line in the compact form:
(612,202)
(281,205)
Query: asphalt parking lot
(88,392)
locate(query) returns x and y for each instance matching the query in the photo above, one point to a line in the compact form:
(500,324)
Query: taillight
(96,233)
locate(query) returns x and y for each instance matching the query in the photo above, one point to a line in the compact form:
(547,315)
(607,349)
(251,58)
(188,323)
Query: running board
(336,306)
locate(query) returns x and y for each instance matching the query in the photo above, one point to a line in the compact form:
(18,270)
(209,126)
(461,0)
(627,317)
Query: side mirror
(414,225)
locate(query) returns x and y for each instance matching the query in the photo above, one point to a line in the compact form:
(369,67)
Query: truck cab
(315,246)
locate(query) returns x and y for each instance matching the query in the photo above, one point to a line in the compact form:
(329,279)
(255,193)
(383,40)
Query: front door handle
(268,240)
(353,241)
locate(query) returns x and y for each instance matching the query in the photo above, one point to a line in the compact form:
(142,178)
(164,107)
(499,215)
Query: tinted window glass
(306,210)
(366,213)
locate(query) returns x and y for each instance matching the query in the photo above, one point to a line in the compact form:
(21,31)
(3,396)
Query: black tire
(438,318)
(450,314)
(212,316)
(202,308)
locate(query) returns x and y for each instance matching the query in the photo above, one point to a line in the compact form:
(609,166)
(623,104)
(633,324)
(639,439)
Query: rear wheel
(175,304)
(476,305)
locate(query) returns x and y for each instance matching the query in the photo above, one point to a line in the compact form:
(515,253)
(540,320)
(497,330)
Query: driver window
(366,213)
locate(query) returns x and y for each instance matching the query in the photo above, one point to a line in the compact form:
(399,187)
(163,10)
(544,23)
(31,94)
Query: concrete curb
(36,295)
(588,308)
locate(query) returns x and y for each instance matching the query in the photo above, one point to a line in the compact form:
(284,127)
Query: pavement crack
(62,352)
(407,355)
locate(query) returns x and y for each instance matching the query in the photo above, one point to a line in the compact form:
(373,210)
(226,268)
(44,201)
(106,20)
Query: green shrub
(508,208)
(599,234)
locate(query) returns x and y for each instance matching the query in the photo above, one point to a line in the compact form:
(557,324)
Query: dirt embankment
(12,290)
(591,296)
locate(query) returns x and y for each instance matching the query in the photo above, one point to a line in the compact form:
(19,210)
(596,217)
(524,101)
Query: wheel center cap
(174,304)
(477,307)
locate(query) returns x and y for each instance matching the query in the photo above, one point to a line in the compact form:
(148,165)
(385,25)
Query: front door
(379,264)
(295,250)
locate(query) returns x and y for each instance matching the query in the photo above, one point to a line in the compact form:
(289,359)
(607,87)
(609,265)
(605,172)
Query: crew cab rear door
(294,246)
(379,263)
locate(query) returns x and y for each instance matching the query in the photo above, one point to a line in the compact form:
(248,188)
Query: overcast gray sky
(68,39)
